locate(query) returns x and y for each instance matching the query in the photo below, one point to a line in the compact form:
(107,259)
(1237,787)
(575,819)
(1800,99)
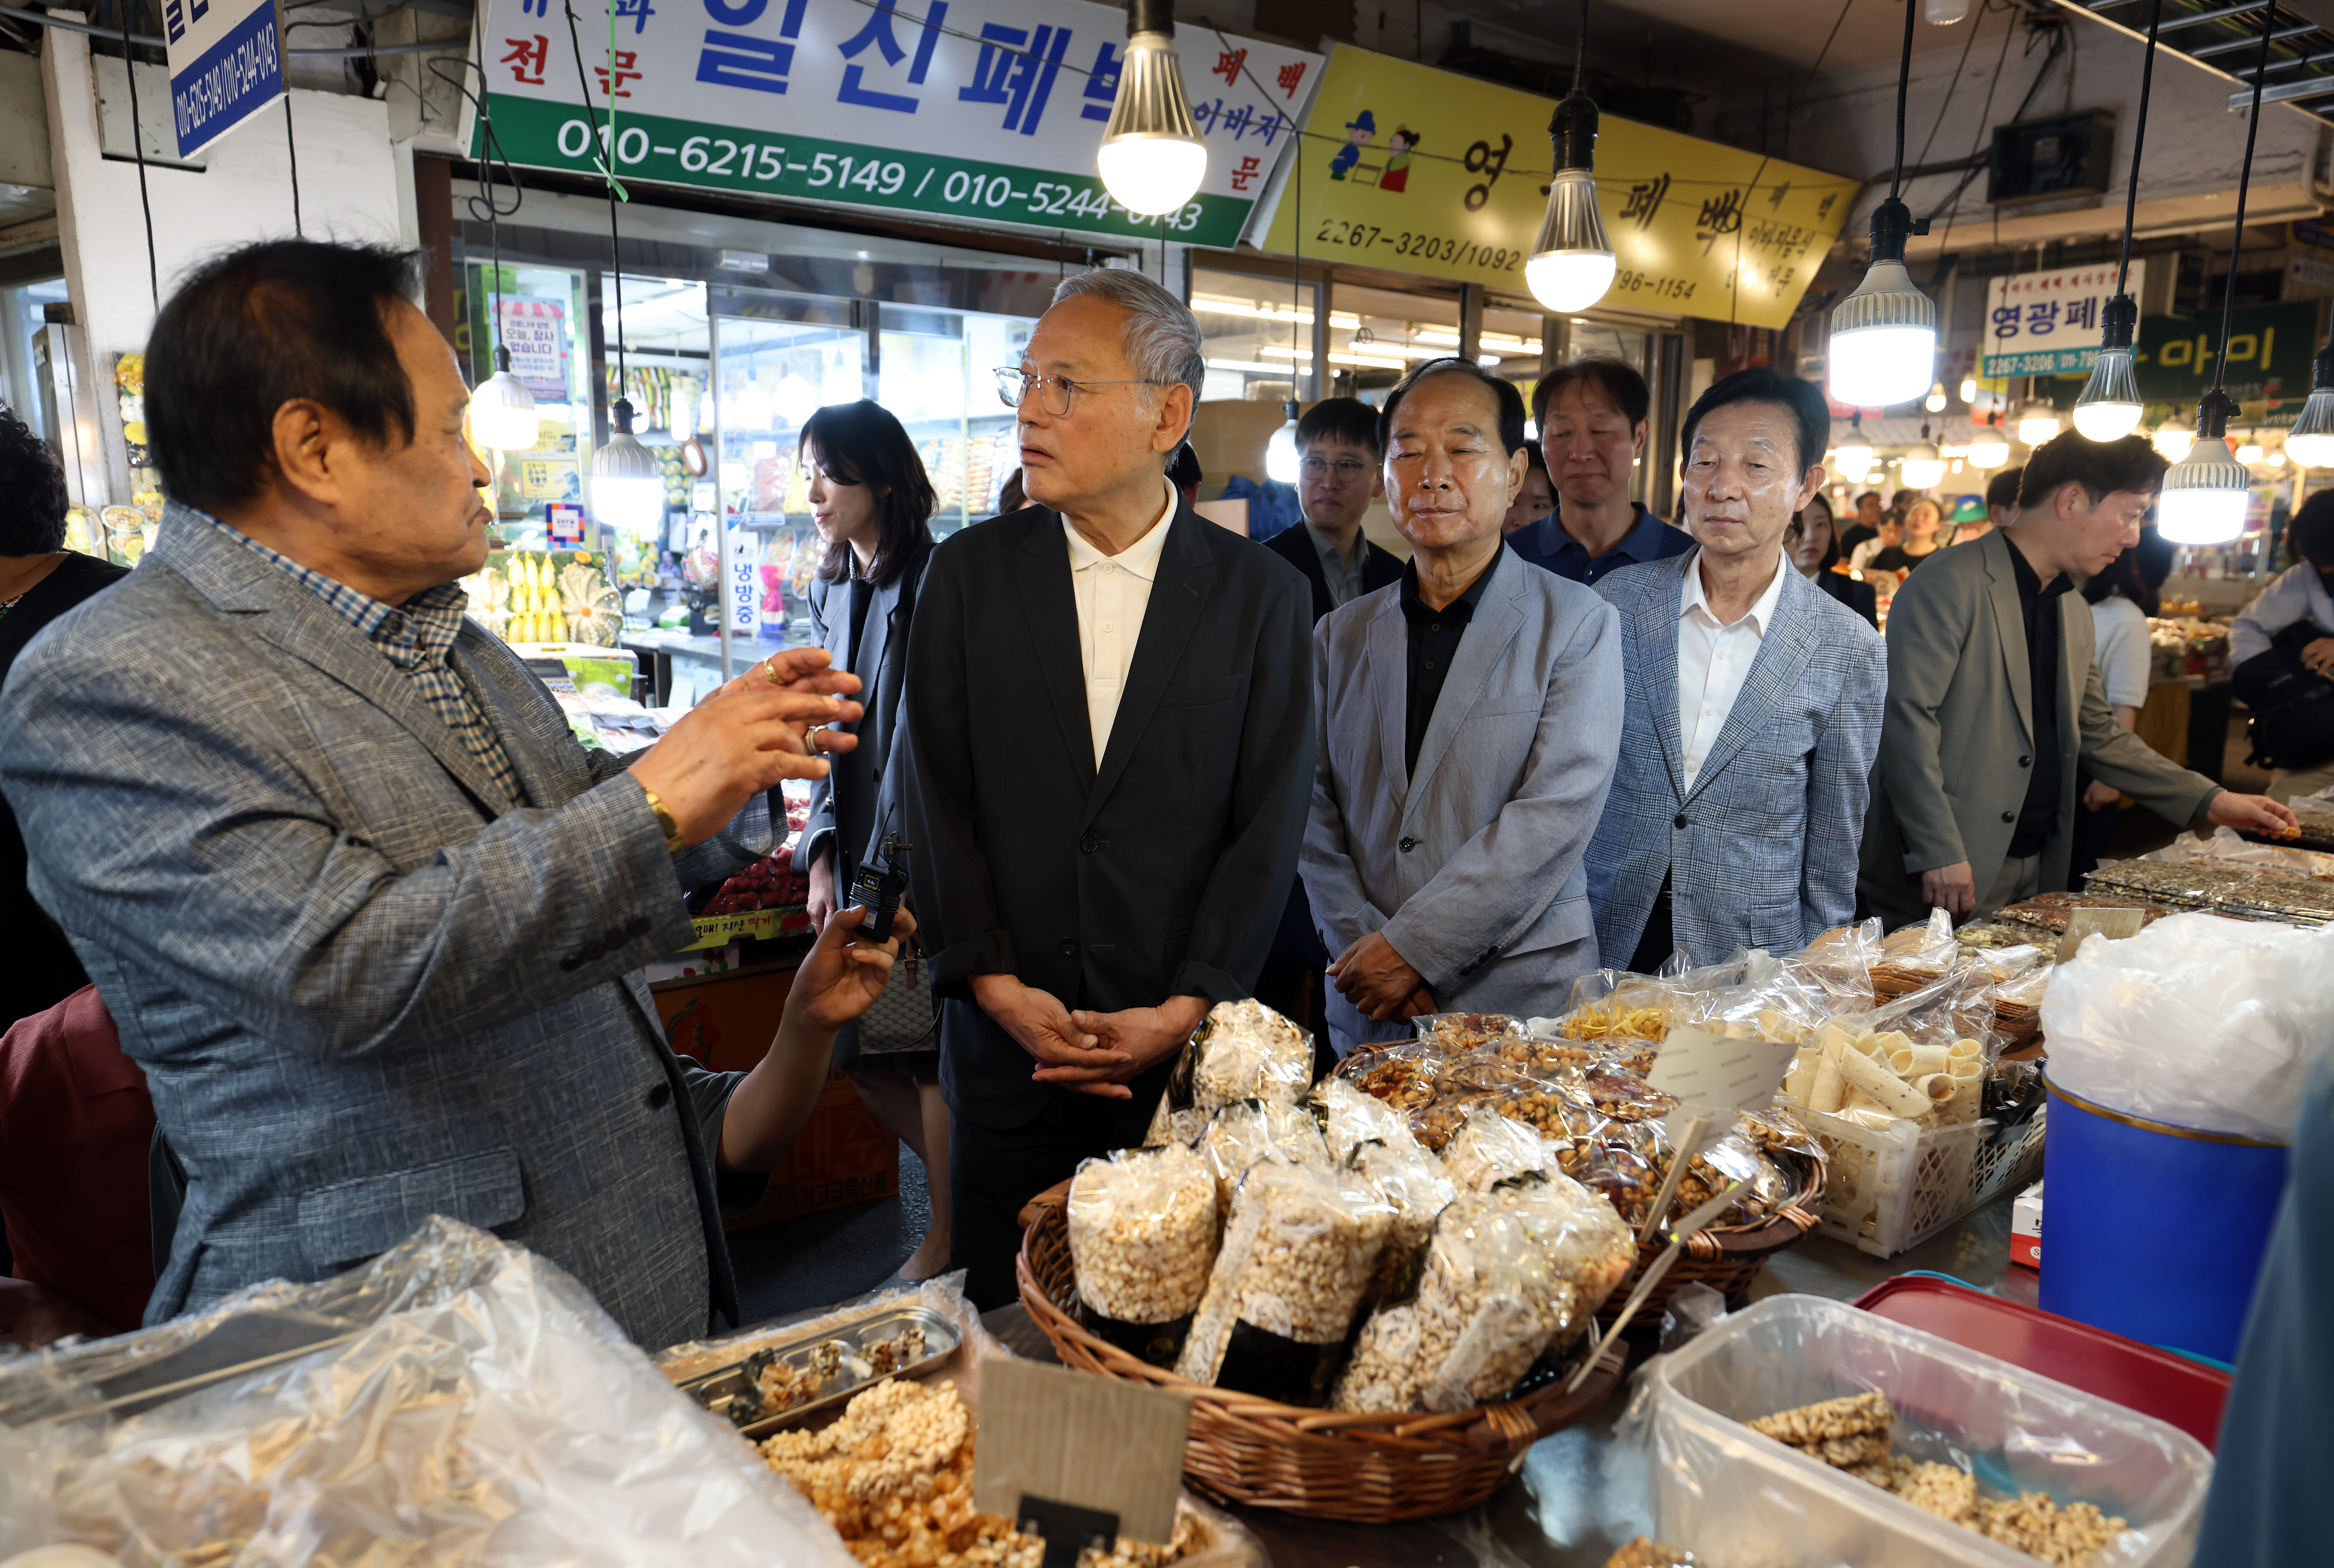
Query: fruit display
(770,883)
(530,598)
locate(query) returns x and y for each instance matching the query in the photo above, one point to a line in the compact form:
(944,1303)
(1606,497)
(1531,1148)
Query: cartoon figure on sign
(1397,164)
(1360,131)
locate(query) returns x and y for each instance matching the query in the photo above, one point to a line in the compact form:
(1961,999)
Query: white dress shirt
(1113,591)
(1712,661)
(2297,593)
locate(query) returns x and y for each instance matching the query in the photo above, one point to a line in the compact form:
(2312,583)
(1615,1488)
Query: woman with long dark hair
(873,502)
(1814,549)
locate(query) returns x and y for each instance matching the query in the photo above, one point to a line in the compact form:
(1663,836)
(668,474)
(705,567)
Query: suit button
(659,1095)
(1408,844)
(2026,762)
(1090,843)
(1070,948)
(595,950)
(2009,816)
(612,940)
(641,927)
(1679,822)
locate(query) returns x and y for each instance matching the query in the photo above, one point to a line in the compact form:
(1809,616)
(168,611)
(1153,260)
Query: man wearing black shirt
(1993,699)
(1468,728)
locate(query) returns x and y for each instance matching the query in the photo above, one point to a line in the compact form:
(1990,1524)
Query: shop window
(1258,336)
(936,377)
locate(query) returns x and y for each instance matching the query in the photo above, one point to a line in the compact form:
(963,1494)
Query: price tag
(1715,1072)
(1065,1437)
(2114,924)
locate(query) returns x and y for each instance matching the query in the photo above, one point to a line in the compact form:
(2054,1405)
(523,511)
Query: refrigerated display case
(938,376)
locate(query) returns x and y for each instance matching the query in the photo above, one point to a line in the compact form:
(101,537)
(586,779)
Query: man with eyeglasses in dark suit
(1109,719)
(1338,477)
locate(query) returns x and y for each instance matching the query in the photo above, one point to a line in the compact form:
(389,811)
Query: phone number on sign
(1419,246)
(840,176)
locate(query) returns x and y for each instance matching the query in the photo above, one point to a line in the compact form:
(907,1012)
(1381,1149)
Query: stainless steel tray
(833,1364)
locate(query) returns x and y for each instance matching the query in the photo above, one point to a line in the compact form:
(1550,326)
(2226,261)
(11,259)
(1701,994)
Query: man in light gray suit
(1754,706)
(1994,699)
(1468,715)
(363,911)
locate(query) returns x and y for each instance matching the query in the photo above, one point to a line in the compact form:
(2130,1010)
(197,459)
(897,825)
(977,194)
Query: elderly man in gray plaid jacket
(1754,706)
(364,913)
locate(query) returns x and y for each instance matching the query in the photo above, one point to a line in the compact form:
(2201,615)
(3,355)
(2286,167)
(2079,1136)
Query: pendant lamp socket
(1571,264)
(2109,407)
(1151,159)
(1884,336)
(627,488)
(2311,442)
(2207,493)
(502,410)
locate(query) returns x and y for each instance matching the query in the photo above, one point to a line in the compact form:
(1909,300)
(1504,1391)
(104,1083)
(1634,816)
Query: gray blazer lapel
(2010,626)
(1481,649)
(532,727)
(287,614)
(1051,602)
(1186,574)
(1784,654)
(1652,655)
(1386,669)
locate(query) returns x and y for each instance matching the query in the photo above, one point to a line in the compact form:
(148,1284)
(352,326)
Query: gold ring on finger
(770,673)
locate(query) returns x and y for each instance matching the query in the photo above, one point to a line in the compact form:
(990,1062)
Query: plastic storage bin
(1744,1501)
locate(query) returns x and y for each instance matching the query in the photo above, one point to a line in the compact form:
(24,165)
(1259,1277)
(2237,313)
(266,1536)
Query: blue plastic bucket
(2152,1231)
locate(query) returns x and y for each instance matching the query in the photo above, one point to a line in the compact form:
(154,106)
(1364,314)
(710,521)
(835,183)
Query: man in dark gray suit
(364,913)
(1469,717)
(1109,722)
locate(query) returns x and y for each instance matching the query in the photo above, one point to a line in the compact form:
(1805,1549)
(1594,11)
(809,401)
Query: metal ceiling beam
(2285,92)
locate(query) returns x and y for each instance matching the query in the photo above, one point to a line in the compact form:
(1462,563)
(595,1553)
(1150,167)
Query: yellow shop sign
(1420,170)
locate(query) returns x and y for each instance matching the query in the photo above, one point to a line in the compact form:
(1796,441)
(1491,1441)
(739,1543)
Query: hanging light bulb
(1151,158)
(1969,388)
(1935,403)
(627,489)
(1884,335)
(2173,442)
(2038,422)
(2207,493)
(2277,459)
(1925,466)
(1988,448)
(2311,442)
(2109,407)
(1944,12)
(1855,452)
(1571,262)
(2250,453)
(502,410)
(1281,456)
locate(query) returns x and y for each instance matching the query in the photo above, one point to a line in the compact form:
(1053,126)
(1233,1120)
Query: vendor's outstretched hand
(747,738)
(845,971)
(2250,813)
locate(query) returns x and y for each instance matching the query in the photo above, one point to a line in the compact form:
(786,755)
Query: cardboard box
(843,1155)
(2026,1228)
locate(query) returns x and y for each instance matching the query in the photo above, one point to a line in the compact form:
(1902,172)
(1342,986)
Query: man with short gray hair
(1109,730)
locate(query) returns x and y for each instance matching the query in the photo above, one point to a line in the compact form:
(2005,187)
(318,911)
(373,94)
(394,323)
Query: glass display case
(1257,333)
(936,374)
(541,307)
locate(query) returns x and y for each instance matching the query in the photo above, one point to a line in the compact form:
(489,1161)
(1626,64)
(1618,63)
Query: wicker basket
(1371,1469)
(1727,1259)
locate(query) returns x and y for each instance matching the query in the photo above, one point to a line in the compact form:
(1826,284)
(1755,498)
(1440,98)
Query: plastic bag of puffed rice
(1241,1050)
(1143,1238)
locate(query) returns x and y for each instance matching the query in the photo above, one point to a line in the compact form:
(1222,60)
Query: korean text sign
(2048,323)
(1419,171)
(983,109)
(227,64)
(2268,370)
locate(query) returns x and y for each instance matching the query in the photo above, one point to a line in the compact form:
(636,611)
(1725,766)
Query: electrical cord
(2138,140)
(137,143)
(2244,180)
(292,146)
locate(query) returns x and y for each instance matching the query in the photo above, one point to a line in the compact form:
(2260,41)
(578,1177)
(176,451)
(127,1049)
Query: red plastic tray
(2172,1389)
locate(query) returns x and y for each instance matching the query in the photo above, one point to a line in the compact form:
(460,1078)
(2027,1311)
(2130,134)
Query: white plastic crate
(1743,1500)
(1887,1191)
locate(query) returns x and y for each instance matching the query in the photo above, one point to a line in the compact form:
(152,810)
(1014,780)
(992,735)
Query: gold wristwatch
(664,819)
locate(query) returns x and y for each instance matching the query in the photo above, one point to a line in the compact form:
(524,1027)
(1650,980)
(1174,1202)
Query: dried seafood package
(1462,1322)
(1241,1050)
(1142,1240)
(1298,1251)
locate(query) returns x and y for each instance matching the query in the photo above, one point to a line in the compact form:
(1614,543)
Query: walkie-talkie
(878,886)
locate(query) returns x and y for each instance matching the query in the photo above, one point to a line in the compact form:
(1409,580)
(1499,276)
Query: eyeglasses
(1013,386)
(1347,469)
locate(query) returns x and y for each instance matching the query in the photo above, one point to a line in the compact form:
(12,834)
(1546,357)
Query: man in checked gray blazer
(1754,706)
(363,911)
(1469,715)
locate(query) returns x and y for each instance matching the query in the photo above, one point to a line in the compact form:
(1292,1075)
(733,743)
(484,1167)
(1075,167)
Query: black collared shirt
(2038,818)
(1434,637)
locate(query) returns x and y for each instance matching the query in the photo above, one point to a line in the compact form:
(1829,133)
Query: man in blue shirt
(1592,415)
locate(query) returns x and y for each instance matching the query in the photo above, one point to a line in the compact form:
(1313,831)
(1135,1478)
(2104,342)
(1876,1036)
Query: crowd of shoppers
(370,924)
